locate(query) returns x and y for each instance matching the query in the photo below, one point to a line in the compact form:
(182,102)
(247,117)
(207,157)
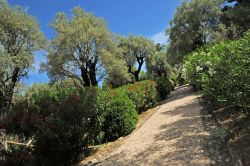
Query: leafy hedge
(118,113)
(64,121)
(164,87)
(20,156)
(221,72)
(143,94)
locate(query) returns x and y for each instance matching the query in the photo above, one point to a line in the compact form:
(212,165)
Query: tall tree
(195,23)
(19,38)
(236,17)
(83,50)
(136,51)
(157,64)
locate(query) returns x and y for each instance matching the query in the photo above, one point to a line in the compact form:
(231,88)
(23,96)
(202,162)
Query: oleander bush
(20,156)
(164,87)
(63,122)
(119,114)
(221,72)
(143,94)
(119,107)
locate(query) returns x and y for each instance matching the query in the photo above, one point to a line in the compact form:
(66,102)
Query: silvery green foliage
(236,17)
(136,51)
(20,36)
(195,23)
(158,66)
(83,50)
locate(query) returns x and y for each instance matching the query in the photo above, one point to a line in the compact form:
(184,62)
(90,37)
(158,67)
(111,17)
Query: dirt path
(181,133)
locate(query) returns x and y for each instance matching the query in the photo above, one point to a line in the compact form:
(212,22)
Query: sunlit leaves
(83,49)
(136,50)
(194,24)
(221,71)
(20,36)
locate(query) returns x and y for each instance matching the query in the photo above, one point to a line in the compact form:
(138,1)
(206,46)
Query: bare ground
(181,132)
(236,121)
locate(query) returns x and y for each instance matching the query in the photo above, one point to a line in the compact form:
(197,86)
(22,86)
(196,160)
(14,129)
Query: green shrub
(63,123)
(164,87)
(143,94)
(180,80)
(119,114)
(20,156)
(221,72)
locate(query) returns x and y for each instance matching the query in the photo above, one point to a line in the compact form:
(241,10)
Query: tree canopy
(157,65)
(136,51)
(195,23)
(83,50)
(236,17)
(20,36)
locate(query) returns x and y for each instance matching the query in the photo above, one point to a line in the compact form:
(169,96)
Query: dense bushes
(143,94)
(222,72)
(68,129)
(20,156)
(64,121)
(119,114)
(164,87)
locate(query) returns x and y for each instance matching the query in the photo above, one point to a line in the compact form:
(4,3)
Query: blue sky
(149,18)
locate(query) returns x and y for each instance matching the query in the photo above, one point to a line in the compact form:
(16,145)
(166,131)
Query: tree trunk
(92,72)
(88,75)
(136,75)
(137,72)
(8,95)
(1,104)
(86,80)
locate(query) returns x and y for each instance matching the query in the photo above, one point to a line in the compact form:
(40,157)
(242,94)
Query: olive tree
(236,17)
(20,36)
(157,64)
(83,50)
(195,24)
(136,51)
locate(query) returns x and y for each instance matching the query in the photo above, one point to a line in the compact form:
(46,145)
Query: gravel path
(179,133)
